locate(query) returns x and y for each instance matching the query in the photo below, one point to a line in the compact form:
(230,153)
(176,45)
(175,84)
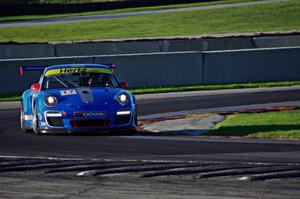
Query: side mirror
(124,85)
(35,87)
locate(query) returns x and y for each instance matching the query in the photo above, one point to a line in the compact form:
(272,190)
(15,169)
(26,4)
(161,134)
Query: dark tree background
(13,2)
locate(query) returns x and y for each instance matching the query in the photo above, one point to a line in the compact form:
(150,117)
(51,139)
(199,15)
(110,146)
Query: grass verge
(282,124)
(15,97)
(282,16)
(116,11)
(10,97)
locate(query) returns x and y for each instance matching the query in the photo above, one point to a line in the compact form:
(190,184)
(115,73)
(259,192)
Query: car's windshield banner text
(77,70)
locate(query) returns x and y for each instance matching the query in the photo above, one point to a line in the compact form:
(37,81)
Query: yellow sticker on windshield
(77,70)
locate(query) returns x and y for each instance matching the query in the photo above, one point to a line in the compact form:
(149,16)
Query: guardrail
(173,69)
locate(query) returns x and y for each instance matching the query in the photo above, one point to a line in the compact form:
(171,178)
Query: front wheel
(35,126)
(22,126)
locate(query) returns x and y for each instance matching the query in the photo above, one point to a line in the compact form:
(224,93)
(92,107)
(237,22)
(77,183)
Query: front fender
(28,97)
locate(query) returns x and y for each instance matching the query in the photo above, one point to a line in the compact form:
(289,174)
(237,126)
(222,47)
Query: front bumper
(60,121)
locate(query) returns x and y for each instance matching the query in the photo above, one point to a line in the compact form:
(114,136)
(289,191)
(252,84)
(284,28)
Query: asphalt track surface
(150,166)
(16,143)
(44,22)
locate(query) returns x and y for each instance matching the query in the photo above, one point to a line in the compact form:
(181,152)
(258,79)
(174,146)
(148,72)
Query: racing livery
(77,97)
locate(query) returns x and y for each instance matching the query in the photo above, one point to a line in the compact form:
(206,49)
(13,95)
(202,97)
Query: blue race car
(77,97)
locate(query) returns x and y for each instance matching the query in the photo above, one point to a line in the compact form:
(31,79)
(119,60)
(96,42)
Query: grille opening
(58,122)
(89,123)
(122,119)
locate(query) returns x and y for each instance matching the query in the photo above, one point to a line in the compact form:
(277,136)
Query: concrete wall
(139,70)
(270,42)
(15,51)
(151,46)
(107,48)
(12,82)
(181,68)
(251,65)
(157,69)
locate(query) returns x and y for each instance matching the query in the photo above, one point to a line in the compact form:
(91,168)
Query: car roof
(76,66)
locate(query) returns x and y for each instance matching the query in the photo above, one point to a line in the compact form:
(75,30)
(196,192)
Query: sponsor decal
(77,70)
(89,114)
(68,92)
(72,70)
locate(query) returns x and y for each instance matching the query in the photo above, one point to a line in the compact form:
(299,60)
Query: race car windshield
(75,80)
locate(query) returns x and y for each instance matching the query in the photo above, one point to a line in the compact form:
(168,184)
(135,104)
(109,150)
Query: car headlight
(123,99)
(50,101)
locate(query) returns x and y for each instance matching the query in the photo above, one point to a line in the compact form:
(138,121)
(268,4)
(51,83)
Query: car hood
(86,96)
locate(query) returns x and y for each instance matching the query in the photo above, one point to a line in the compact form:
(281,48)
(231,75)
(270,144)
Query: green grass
(14,97)
(282,124)
(10,97)
(125,10)
(260,18)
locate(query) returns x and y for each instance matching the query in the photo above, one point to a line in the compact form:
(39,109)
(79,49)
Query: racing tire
(136,120)
(131,131)
(22,126)
(124,132)
(35,126)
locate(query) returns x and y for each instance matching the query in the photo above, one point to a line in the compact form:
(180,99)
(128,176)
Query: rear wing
(31,68)
(112,67)
(41,68)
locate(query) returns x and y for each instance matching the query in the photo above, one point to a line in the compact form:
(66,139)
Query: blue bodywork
(72,113)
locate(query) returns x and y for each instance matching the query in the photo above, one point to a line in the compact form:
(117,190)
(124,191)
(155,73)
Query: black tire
(35,126)
(131,131)
(23,128)
(22,119)
(125,132)
(136,120)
